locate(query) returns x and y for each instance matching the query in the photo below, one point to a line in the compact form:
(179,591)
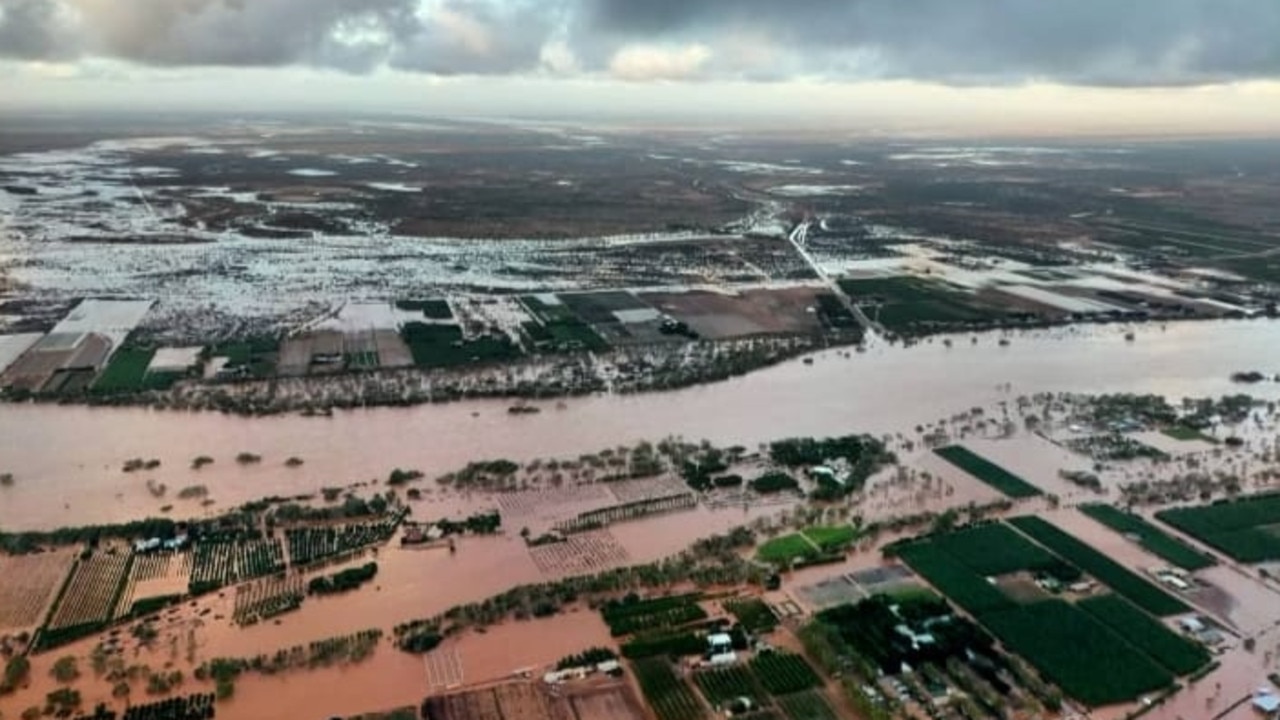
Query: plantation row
(1244,529)
(753,613)
(626,618)
(91,596)
(218,564)
(669,696)
(1101,651)
(988,472)
(1155,540)
(309,544)
(266,598)
(193,707)
(1104,569)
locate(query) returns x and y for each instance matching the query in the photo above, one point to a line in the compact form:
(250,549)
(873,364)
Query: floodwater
(67,460)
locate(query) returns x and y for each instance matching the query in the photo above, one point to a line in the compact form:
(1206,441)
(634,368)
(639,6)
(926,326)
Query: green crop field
(1175,652)
(997,549)
(910,304)
(831,536)
(654,614)
(753,613)
(720,687)
(1104,569)
(1184,434)
(988,472)
(1247,529)
(784,548)
(1077,653)
(1155,540)
(809,705)
(781,673)
(963,586)
(126,372)
(444,346)
(669,696)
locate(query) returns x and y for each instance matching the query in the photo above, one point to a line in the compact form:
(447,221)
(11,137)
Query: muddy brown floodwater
(67,460)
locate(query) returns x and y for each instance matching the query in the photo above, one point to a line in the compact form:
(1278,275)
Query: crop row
(192,707)
(782,673)
(94,589)
(669,696)
(1083,657)
(1244,529)
(723,686)
(1104,569)
(267,598)
(309,544)
(988,472)
(808,705)
(1176,653)
(1155,540)
(657,620)
(220,563)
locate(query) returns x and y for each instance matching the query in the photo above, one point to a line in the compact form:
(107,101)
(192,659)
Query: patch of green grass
(1104,569)
(988,472)
(1176,653)
(1155,540)
(126,372)
(782,549)
(831,536)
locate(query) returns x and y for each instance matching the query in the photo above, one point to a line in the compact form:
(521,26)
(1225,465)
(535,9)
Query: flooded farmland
(884,390)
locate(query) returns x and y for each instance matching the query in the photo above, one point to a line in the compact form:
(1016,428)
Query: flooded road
(67,461)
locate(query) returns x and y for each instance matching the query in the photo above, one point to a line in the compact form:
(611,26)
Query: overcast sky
(999,66)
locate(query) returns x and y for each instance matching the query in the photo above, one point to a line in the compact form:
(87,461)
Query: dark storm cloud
(32,30)
(1125,42)
(1094,42)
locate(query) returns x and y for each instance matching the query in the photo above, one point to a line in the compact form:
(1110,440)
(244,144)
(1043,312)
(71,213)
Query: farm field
(1083,657)
(89,599)
(613,702)
(722,686)
(781,673)
(959,563)
(127,371)
(307,545)
(1107,571)
(1246,529)
(268,597)
(988,472)
(153,578)
(754,614)
(670,697)
(1155,540)
(511,701)
(1175,652)
(580,553)
(217,564)
(914,305)
(625,618)
(29,585)
(808,705)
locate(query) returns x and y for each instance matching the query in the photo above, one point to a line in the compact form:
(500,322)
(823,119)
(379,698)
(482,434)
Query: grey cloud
(32,30)
(1089,42)
(1131,42)
(479,37)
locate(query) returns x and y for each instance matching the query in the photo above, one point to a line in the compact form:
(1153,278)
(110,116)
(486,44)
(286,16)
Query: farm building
(1267,703)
